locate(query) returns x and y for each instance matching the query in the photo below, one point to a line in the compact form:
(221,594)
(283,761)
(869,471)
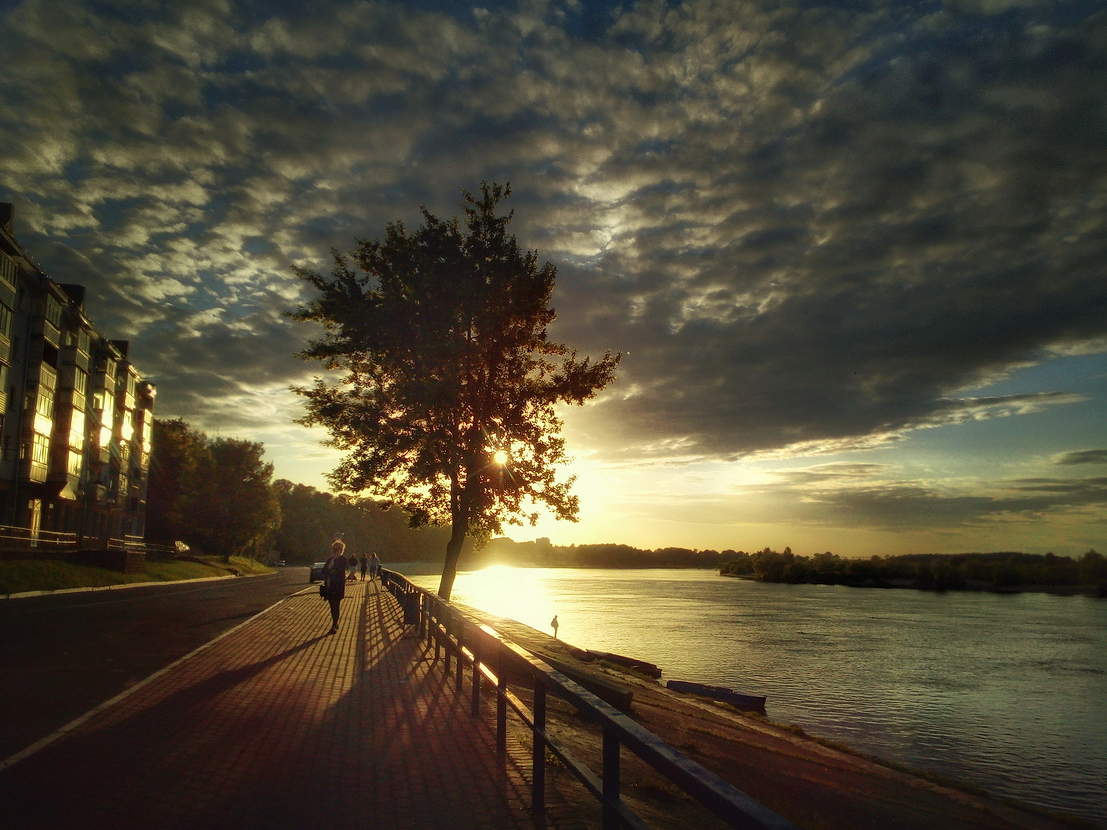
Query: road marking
(74,724)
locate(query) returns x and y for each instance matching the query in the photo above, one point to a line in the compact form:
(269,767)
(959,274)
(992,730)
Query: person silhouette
(334,578)
(553,625)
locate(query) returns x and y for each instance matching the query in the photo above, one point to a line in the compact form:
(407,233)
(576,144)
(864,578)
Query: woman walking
(334,578)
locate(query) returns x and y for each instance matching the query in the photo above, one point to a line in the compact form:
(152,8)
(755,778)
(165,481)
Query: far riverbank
(1095,591)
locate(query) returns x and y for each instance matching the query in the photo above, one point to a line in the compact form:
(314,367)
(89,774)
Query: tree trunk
(449,567)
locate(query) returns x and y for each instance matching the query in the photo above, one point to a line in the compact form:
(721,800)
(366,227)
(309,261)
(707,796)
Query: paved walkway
(279,725)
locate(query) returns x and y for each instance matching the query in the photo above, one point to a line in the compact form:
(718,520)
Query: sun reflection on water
(521,594)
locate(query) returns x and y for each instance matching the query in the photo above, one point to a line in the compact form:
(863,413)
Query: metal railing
(26,537)
(461,642)
(138,544)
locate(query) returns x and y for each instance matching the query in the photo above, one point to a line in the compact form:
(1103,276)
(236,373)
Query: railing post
(460,661)
(428,635)
(610,781)
(474,708)
(446,647)
(538,758)
(501,706)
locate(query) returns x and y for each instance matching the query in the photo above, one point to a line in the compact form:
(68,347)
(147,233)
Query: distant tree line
(541,553)
(962,571)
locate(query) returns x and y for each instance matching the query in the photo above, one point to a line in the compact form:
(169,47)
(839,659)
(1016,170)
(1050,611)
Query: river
(1007,693)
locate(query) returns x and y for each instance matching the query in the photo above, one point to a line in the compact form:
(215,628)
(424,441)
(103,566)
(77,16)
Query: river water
(1007,693)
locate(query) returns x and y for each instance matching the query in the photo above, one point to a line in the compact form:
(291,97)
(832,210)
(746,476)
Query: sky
(853,253)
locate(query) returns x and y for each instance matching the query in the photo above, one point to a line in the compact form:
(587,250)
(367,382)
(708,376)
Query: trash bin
(411,609)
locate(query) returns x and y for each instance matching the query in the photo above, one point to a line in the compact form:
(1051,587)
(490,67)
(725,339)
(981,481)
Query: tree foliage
(214,494)
(937,572)
(440,340)
(174,475)
(310,520)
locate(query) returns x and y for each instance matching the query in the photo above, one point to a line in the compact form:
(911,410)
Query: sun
(499,457)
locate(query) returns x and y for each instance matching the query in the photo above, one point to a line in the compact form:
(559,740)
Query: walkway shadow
(355,730)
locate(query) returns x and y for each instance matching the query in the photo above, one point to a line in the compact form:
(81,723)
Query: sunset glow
(857,285)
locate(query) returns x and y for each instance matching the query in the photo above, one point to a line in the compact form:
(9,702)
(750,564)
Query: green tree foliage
(440,345)
(174,475)
(215,495)
(235,509)
(310,520)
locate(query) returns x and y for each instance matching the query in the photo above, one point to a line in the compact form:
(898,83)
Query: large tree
(444,399)
(215,495)
(175,473)
(235,509)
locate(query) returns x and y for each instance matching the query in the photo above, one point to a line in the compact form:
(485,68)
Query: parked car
(281,563)
(316,571)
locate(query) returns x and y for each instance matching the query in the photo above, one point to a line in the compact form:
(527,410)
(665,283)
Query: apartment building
(77,414)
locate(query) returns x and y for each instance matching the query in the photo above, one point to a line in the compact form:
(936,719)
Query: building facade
(77,414)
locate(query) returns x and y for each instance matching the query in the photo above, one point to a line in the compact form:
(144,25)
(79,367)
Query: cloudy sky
(854,252)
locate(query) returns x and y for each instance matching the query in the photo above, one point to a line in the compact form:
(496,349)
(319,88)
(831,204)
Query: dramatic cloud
(860,495)
(1082,457)
(811,228)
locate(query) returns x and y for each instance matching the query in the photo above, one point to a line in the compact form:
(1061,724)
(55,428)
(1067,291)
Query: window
(44,401)
(40,455)
(77,429)
(80,381)
(48,377)
(5,322)
(74,465)
(82,341)
(53,311)
(40,449)
(128,429)
(8,270)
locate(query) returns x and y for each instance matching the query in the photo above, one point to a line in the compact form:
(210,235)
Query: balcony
(37,472)
(50,332)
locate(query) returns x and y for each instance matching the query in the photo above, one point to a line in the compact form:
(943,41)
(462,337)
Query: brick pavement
(279,725)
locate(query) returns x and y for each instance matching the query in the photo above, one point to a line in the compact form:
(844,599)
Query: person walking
(364,566)
(334,579)
(554,624)
(374,566)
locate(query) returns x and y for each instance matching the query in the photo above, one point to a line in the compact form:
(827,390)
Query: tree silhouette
(444,404)
(214,494)
(178,451)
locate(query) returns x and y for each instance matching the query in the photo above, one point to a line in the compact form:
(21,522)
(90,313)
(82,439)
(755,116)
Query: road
(62,655)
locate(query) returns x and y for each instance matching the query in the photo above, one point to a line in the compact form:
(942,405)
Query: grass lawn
(18,575)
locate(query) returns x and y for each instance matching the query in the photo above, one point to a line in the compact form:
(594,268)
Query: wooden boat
(750,703)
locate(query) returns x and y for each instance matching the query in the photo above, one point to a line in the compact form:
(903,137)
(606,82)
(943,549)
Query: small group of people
(370,564)
(340,569)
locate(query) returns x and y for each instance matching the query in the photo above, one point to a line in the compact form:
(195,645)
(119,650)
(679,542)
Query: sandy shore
(811,783)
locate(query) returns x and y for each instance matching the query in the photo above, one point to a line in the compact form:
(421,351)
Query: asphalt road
(62,655)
